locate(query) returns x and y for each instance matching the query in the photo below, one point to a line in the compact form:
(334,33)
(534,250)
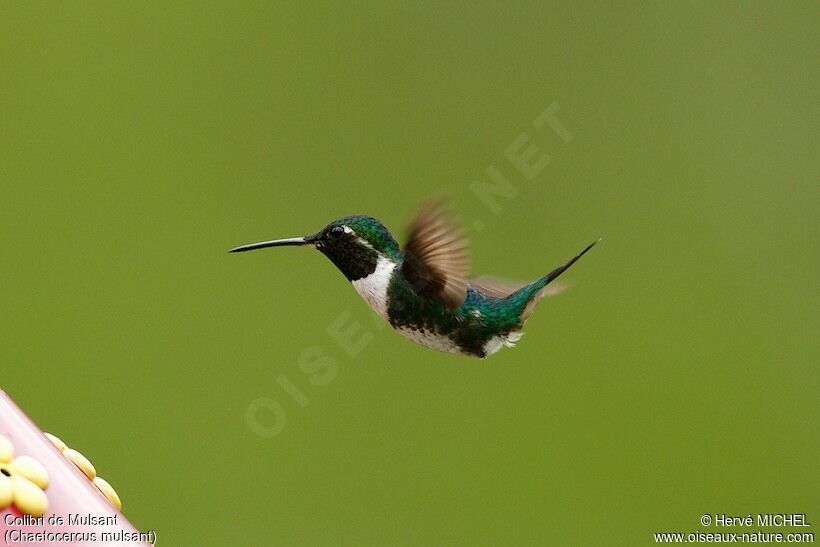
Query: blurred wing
(436,258)
(502,288)
(495,287)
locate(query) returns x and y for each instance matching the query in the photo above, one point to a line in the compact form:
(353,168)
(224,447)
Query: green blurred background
(678,377)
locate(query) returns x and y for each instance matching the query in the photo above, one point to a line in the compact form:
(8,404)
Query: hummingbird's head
(354,244)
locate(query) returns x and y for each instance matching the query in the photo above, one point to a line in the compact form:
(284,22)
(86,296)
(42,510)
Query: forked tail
(561,269)
(528,296)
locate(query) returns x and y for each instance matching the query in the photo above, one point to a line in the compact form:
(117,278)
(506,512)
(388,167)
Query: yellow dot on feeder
(108,491)
(6,491)
(28,497)
(31,469)
(6,450)
(80,461)
(56,441)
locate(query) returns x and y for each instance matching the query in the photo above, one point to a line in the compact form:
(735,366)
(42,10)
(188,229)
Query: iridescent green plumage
(478,321)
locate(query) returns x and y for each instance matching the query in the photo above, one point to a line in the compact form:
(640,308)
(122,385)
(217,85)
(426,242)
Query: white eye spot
(347,229)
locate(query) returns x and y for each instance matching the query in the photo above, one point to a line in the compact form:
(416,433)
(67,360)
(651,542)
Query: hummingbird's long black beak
(272,243)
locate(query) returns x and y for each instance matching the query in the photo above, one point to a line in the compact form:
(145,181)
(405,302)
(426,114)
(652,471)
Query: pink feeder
(50,494)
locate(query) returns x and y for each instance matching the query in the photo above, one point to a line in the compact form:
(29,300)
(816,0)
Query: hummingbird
(424,291)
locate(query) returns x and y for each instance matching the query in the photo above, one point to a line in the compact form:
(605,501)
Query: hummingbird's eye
(336,232)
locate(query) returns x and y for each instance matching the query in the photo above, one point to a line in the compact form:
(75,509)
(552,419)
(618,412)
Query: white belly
(430,340)
(373,288)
